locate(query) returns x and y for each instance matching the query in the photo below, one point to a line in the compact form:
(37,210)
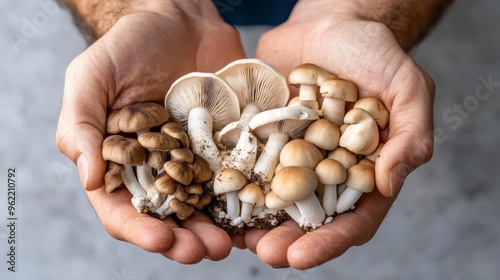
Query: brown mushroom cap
(182,209)
(126,151)
(181,194)
(339,89)
(113,178)
(156,159)
(324,134)
(136,117)
(194,189)
(294,183)
(193,199)
(166,184)
(183,154)
(158,141)
(228,180)
(204,200)
(177,131)
(361,177)
(201,170)
(252,194)
(300,152)
(179,171)
(330,172)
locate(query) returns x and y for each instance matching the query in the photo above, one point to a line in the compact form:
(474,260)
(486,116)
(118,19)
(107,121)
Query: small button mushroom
(251,196)
(336,92)
(183,154)
(375,108)
(113,178)
(166,184)
(273,202)
(324,134)
(177,131)
(229,181)
(347,159)
(201,170)
(330,173)
(300,152)
(179,171)
(360,179)
(204,103)
(297,184)
(361,136)
(193,199)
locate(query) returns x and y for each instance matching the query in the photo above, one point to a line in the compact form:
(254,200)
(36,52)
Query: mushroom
(361,136)
(300,152)
(324,134)
(308,77)
(136,118)
(203,102)
(182,154)
(182,209)
(277,126)
(177,131)
(204,200)
(113,178)
(179,171)
(201,170)
(297,184)
(360,179)
(375,108)
(251,196)
(330,173)
(347,159)
(243,144)
(374,156)
(128,152)
(229,181)
(273,202)
(336,92)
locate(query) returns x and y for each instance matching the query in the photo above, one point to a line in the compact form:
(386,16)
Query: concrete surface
(443,226)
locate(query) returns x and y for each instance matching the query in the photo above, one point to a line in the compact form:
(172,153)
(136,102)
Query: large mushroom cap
(256,82)
(361,177)
(300,152)
(136,117)
(362,135)
(228,180)
(339,89)
(330,172)
(294,183)
(202,90)
(309,74)
(123,150)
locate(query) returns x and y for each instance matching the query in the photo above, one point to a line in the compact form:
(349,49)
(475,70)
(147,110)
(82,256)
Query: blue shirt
(255,12)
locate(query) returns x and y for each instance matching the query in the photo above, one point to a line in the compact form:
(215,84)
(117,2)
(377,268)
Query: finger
(252,238)
(349,229)
(187,248)
(410,137)
(215,240)
(238,241)
(272,247)
(82,120)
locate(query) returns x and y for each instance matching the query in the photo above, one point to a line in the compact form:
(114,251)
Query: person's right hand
(137,60)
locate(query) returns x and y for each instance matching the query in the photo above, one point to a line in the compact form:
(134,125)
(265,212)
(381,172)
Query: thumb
(81,124)
(410,138)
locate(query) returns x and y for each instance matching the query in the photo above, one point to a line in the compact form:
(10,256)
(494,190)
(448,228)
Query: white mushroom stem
(140,200)
(347,199)
(164,209)
(308,92)
(330,199)
(248,112)
(256,210)
(312,213)
(200,133)
(246,211)
(269,158)
(146,179)
(294,213)
(334,110)
(232,205)
(244,155)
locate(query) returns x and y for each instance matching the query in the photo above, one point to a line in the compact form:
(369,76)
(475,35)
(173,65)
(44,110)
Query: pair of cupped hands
(145,52)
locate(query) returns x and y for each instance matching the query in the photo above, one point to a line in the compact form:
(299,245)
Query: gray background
(443,226)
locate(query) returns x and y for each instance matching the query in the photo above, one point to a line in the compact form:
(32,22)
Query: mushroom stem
(140,199)
(164,209)
(256,210)
(248,112)
(330,199)
(334,110)
(200,133)
(312,213)
(146,179)
(244,155)
(269,158)
(246,211)
(232,205)
(308,92)
(293,212)
(347,199)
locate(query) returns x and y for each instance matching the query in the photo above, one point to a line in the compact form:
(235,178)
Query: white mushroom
(360,179)
(203,102)
(375,108)
(336,92)
(330,173)
(361,136)
(229,181)
(251,196)
(273,202)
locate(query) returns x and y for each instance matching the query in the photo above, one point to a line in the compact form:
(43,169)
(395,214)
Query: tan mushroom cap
(362,135)
(182,209)
(344,156)
(228,180)
(126,151)
(113,178)
(204,200)
(194,189)
(158,141)
(166,184)
(182,154)
(177,131)
(309,74)
(361,177)
(376,154)
(201,170)
(156,159)
(193,199)
(273,202)
(252,194)
(181,194)
(376,108)
(324,134)
(179,171)
(339,89)
(294,183)
(368,162)
(330,172)
(300,152)
(136,117)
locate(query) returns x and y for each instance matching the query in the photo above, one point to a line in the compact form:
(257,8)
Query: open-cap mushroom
(128,152)
(330,173)
(203,102)
(276,127)
(297,184)
(229,181)
(360,179)
(375,108)
(336,92)
(309,77)
(136,118)
(324,134)
(251,196)
(361,136)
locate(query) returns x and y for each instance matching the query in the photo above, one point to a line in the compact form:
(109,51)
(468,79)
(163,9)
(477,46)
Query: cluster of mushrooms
(234,141)
(151,157)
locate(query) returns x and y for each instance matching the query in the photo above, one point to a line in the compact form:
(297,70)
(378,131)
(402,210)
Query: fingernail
(398,176)
(281,266)
(83,169)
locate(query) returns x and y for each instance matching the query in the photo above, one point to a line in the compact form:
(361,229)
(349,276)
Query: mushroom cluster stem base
(269,158)
(200,132)
(347,199)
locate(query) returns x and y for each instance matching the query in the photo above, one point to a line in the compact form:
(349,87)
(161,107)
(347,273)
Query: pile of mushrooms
(153,160)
